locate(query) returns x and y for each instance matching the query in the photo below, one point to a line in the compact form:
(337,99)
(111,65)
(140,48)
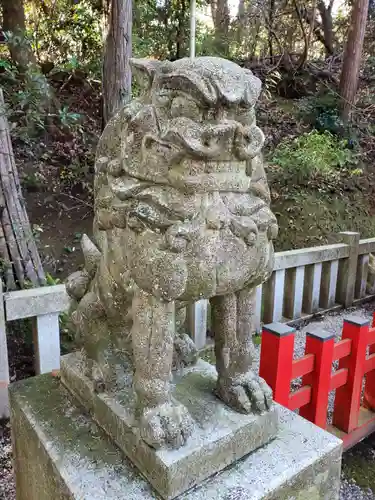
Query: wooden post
(4,366)
(348,269)
(348,397)
(276,360)
(321,344)
(369,393)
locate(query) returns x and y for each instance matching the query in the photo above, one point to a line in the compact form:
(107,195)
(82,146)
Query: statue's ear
(254,87)
(145,70)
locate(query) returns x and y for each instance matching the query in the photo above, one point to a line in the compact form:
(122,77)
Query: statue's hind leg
(233,325)
(163,421)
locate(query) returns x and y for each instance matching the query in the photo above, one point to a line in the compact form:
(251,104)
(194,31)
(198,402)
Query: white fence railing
(303,283)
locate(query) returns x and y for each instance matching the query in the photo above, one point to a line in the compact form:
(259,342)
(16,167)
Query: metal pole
(192,27)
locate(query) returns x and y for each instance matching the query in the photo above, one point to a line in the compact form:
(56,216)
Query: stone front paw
(185,352)
(246,394)
(167,425)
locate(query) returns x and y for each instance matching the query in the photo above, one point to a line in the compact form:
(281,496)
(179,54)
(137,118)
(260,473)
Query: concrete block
(36,301)
(61,454)
(221,435)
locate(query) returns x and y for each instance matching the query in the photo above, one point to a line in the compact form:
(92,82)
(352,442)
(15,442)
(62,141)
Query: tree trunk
(117,53)
(271,13)
(14,23)
(327,25)
(221,20)
(181,35)
(19,257)
(352,56)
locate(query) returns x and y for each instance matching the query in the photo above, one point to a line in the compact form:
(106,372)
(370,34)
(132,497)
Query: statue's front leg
(163,421)
(233,322)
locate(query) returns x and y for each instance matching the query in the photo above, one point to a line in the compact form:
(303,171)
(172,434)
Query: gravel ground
(358,471)
(7,489)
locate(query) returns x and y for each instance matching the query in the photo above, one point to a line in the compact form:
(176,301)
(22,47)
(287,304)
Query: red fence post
(348,397)
(321,344)
(369,395)
(276,360)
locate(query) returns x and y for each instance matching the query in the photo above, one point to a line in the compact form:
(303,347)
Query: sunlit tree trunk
(117,54)
(352,56)
(14,24)
(221,20)
(327,24)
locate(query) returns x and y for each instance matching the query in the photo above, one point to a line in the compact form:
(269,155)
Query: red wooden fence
(355,353)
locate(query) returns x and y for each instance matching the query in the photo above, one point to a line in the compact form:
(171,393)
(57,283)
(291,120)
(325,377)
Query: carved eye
(183,106)
(163,100)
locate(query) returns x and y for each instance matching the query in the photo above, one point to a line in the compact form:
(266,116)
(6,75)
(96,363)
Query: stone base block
(221,436)
(61,454)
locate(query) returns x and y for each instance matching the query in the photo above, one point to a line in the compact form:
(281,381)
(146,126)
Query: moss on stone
(359,464)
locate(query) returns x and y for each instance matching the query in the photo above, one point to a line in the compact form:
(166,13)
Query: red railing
(350,421)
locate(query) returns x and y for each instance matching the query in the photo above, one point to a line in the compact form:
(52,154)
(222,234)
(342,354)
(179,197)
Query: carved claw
(178,236)
(168,425)
(244,228)
(246,394)
(185,352)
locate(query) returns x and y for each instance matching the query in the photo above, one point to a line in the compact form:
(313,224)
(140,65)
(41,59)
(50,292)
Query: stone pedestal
(61,454)
(221,435)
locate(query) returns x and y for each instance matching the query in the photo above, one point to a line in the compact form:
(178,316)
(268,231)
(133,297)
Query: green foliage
(68,119)
(27,99)
(67,33)
(161,29)
(322,112)
(51,281)
(313,154)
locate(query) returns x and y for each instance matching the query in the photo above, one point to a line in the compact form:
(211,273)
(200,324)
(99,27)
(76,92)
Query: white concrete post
(193,21)
(329,284)
(4,366)
(197,321)
(295,279)
(362,273)
(348,269)
(311,295)
(47,343)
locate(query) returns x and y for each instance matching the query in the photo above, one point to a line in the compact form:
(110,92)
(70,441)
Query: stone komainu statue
(181,213)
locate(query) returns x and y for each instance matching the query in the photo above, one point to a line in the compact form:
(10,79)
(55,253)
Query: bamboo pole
(17,246)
